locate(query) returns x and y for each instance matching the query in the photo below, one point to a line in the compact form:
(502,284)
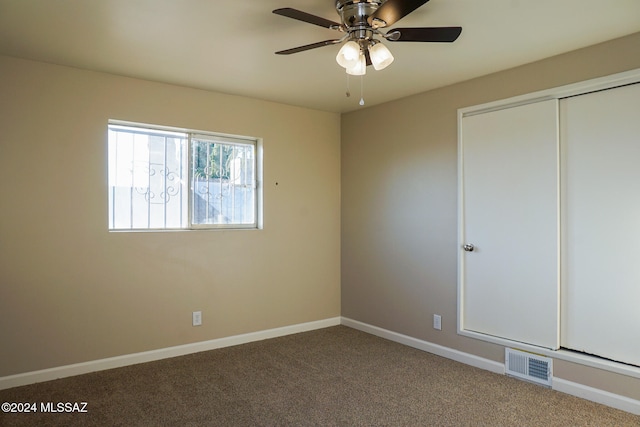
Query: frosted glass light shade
(349,54)
(359,68)
(381,57)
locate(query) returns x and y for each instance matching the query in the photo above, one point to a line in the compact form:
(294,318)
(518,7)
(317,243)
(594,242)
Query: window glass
(161,179)
(223,182)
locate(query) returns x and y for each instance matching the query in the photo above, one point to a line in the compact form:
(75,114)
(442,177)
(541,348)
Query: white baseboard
(596,395)
(575,389)
(163,353)
(449,353)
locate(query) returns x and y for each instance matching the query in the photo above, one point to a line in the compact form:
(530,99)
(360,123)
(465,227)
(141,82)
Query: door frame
(580,88)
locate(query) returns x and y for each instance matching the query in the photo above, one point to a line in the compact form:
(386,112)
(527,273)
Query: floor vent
(528,366)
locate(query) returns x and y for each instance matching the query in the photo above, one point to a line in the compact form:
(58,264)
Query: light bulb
(381,57)
(349,54)
(359,68)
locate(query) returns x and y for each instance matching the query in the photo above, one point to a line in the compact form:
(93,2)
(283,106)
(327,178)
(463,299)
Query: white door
(601,223)
(510,280)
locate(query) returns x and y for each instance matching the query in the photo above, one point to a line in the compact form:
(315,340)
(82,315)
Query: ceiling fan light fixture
(359,68)
(349,55)
(380,55)
(361,20)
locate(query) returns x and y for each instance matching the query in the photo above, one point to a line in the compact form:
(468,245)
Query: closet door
(510,277)
(601,223)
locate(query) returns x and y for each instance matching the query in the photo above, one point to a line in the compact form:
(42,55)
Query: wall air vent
(528,366)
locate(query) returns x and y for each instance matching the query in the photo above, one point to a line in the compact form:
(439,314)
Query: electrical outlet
(437,322)
(197,318)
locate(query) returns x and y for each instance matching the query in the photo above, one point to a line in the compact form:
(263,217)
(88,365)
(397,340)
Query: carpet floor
(336,376)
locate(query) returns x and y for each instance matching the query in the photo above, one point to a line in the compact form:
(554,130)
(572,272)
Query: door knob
(468,247)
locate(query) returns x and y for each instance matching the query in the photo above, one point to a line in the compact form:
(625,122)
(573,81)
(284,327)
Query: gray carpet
(331,377)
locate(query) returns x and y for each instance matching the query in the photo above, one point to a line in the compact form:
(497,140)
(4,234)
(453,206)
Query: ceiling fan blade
(393,10)
(306,17)
(307,47)
(437,34)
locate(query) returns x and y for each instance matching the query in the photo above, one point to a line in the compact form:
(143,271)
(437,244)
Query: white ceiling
(228,45)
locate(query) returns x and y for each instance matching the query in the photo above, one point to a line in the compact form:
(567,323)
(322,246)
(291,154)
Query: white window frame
(214,137)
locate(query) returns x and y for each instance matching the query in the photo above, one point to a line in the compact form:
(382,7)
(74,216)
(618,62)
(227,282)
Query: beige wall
(70,291)
(399,203)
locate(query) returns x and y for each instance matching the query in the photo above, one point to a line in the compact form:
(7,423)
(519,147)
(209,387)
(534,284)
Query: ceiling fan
(362,21)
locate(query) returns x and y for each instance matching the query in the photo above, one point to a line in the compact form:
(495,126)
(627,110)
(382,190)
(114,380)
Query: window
(161,179)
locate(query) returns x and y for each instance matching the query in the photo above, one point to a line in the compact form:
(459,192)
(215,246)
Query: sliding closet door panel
(510,214)
(601,223)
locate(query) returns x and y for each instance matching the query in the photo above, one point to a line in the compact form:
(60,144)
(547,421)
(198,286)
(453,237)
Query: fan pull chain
(361,90)
(348,92)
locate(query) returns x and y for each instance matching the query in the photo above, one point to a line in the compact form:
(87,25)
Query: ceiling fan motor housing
(354,15)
